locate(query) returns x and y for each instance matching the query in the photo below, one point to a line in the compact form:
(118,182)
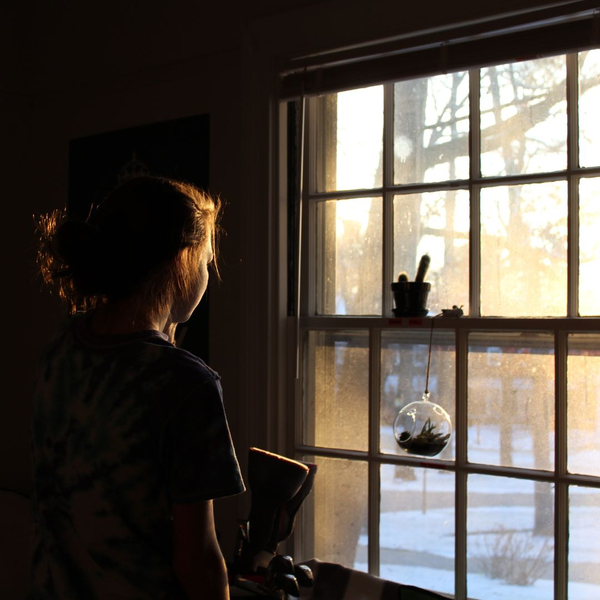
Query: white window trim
(559,327)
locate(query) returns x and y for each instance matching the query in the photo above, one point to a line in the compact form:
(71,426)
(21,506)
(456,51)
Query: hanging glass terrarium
(423,427)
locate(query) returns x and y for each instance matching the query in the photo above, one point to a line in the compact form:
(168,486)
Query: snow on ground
(481,587)
(417,538)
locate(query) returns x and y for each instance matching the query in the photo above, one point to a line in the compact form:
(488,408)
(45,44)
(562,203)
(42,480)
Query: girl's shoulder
(185,361)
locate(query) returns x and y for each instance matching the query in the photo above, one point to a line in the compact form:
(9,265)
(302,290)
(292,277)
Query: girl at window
(130,441)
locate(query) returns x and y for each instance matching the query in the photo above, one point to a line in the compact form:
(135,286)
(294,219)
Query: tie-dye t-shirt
(123,426)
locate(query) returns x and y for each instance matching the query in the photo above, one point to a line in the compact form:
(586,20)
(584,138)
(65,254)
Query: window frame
(559,327)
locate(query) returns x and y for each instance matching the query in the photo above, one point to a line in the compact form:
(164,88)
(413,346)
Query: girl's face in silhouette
(184,307)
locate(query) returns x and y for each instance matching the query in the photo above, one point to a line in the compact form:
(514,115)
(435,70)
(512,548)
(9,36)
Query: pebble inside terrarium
(423,428)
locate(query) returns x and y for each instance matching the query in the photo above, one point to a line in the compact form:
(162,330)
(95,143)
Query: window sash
(475,185)
(560,328)
(558,477)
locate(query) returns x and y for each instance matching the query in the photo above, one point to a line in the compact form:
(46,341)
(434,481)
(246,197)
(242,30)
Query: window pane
(510,548)
(416,527)
(589,247)
(336,412)
(511,400)
(524,117)
(583,405)
(334,515)
(584,543)
(349,140)
(431,129)
(404,356)
(589,101)
(349,251)
(435,223)
(524,250)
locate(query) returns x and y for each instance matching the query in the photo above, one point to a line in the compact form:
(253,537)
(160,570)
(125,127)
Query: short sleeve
(198,452)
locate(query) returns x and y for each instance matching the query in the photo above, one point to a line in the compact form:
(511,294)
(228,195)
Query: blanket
(335,582)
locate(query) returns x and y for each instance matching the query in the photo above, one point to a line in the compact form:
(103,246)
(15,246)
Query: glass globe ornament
(423,428)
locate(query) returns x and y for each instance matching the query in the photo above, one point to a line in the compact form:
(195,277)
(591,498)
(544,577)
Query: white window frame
(558,327)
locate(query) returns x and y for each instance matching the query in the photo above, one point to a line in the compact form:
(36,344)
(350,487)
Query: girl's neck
(126,316)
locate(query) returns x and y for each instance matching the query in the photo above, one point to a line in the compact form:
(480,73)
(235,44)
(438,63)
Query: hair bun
(130,244)
(78,244)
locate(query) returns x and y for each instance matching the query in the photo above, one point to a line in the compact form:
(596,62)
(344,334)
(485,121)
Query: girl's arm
(197,558)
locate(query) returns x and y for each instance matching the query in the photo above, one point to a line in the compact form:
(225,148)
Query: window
(495,173)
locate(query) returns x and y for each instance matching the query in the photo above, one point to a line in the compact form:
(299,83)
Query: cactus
(423,267)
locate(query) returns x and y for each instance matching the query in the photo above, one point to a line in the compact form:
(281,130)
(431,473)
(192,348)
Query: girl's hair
(144,237)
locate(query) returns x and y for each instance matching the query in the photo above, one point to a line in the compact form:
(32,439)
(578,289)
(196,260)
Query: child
(130,441)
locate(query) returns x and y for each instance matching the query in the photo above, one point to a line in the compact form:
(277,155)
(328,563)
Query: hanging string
(426,392)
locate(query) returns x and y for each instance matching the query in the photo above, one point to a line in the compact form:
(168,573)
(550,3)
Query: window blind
(545,31)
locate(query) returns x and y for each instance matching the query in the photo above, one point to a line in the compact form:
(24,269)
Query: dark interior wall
(15,303)
(69,71)
(16,109)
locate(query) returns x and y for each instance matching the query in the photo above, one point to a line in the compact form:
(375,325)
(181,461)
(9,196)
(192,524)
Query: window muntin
(501,246)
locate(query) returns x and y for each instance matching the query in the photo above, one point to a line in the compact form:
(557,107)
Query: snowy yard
(417,531)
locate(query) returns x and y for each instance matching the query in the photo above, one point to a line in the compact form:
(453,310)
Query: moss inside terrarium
(426,443)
